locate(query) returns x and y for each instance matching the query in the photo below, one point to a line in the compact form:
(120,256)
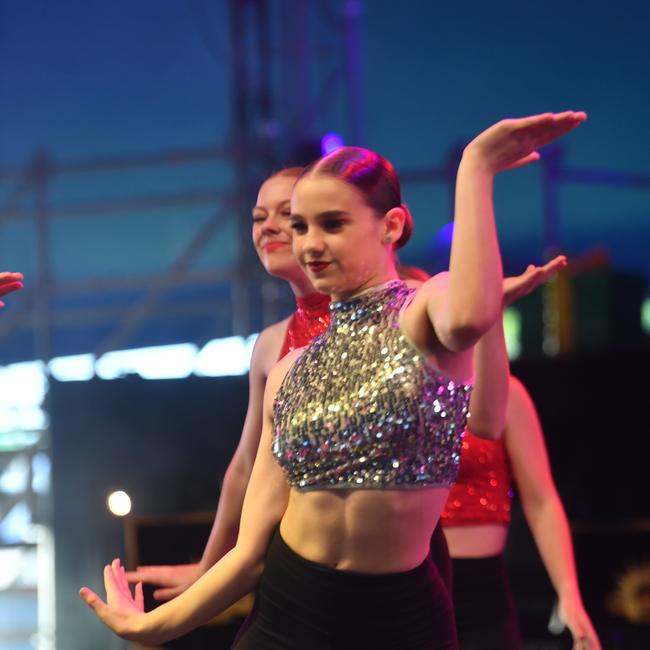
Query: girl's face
(337,238)
(272,232)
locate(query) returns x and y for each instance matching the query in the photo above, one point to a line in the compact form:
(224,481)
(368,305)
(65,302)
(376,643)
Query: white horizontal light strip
(159,362)
(224,357)
(23,385)
(77,367)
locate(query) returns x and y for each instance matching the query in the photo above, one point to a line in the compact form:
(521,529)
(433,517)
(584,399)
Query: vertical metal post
(40,174)
(557,304)
(241,153)
(353,65)
(551,162)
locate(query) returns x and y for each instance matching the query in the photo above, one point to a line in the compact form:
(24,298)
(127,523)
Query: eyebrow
(261,207)
(328,214)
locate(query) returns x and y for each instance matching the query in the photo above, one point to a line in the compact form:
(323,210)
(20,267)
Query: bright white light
(225,357)
(16,526)
(41,473)
(159,362)
(14,478)
(23,384)
(10,566)
(22,419)
(119,503)
(16,440)
(77,367)
(512,332)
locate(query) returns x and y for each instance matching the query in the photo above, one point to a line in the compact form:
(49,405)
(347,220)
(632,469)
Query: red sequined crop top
(483,492)
(311,318)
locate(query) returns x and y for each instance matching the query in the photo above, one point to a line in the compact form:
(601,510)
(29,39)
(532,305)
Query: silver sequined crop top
(362,408)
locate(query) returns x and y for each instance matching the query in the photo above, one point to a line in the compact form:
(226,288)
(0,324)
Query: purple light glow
(331,142)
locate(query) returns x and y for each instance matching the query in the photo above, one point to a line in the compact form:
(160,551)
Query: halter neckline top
(311,318)
(362,407)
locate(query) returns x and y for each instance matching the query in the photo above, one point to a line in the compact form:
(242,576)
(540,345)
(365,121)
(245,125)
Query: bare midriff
(368,531)
(481,540)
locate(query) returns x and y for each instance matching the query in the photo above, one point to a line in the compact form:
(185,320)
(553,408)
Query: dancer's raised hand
(519,286)
(515,142)
(10,282)
(122,611)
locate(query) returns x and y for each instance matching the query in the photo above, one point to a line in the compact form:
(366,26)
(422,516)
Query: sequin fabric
(483,492)
(311,318)
(362,408)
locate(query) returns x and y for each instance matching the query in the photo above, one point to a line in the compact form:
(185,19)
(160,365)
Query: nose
(312,243)
(270,225)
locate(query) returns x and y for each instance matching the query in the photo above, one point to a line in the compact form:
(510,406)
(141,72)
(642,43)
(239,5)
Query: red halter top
(311,318)
(483,492)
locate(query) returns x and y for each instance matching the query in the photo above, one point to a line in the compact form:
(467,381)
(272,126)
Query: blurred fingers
(139,596)
(163,595)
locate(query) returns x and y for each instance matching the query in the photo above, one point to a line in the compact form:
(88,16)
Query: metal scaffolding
(269,123)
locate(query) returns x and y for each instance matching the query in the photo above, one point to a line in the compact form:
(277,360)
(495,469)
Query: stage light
(512,332)
(445,235)
(158,362)
(225,357)
(119,503)
(645,316)
(76,367)
(331,142)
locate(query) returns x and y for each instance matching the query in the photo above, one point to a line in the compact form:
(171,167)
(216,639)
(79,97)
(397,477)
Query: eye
(332,225)
(258,218)
(299,227)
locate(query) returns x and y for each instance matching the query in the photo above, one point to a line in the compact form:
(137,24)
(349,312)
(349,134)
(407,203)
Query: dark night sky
(85,79)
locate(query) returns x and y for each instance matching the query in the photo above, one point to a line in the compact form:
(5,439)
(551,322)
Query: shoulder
(279,372)
(518,395)
(427,291)
(268,345)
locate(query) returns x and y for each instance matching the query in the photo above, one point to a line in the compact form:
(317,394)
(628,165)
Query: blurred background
(133,137)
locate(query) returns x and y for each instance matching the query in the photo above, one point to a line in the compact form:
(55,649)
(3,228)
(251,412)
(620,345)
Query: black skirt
(486,616)
(303,605)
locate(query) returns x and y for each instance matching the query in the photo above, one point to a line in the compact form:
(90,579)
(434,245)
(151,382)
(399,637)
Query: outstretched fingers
(93,601)
(544,129)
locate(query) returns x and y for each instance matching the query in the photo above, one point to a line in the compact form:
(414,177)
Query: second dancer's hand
(122,612)
(575,617)
(513,143)
(171,580)
(519,286)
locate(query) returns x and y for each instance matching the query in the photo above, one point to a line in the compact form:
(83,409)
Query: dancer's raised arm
(472,300)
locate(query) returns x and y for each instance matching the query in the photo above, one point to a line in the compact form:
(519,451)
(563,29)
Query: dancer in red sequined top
(476,519)
(271,235)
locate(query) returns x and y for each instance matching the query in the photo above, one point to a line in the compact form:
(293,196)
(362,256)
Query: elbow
(462,333)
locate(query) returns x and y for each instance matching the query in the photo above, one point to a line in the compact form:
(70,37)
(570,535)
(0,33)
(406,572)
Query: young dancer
(476,520)
(379,401)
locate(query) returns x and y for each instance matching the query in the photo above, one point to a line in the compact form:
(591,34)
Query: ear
(393,224)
